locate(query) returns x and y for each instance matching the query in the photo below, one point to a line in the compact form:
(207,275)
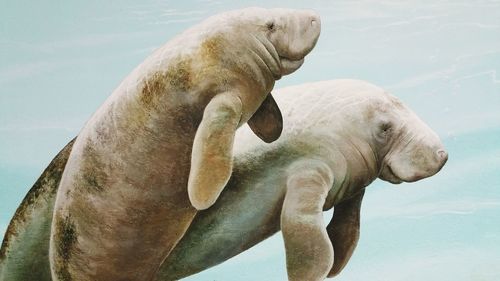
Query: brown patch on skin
(65,232)
(178,77)
(212,48)
(217,62)
(46,185)
(93,176)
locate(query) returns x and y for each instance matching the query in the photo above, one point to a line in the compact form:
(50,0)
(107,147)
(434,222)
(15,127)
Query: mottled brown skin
(123,200)
(66,230)
(25,247)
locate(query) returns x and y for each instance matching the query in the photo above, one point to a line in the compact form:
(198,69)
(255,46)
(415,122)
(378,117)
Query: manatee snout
(433,153)
(417,159)
(433,164)
(442,156)
(315,28)
(294,34)
(307,27)
(310,22)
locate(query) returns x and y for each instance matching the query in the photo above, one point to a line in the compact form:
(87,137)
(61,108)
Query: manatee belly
(247,213)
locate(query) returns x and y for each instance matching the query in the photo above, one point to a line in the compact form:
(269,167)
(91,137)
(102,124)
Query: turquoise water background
(59,60)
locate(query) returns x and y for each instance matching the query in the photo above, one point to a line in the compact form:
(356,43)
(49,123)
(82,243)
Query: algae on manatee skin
(66,232)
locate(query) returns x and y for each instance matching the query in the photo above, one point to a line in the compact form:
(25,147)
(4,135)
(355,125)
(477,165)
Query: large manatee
(162,142)
(339,136)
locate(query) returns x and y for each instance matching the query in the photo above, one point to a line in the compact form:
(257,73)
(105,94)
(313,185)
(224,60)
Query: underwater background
(59,60)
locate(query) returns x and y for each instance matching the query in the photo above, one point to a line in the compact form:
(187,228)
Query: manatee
(340,135)
(160,147)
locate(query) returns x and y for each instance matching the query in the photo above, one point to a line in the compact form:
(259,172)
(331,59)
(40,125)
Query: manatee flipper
(309,252)
(343,231)
(267,121)
(212,154)
(24,254)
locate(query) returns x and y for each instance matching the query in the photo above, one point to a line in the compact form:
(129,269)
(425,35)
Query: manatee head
(261,45)
(395,144)
(283,37)
(406,148)
(293,33)
(413,150)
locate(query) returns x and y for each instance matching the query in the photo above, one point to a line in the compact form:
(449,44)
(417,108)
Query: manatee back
(24,254)
(316,104)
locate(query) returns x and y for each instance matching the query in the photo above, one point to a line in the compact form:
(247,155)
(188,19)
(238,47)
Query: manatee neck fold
(266,52)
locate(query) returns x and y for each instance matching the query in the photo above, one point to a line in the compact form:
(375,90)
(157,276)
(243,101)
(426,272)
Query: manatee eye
(271,26)
(385,130)
(385,127)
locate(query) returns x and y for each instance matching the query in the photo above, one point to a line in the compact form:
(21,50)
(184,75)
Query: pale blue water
(60,59)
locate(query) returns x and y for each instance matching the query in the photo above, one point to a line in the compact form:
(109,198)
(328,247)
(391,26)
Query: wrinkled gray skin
(339,136)
(162,142)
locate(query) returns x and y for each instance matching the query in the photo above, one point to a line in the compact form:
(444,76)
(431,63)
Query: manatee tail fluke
(25,246)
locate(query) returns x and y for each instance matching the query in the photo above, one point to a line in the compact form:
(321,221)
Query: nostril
(315,21)
(442,154)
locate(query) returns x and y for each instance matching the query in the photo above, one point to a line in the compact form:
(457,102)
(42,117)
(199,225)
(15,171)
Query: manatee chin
(387,174)
(392,176)
(289,66)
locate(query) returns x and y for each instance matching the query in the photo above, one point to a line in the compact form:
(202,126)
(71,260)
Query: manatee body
(162,142)
(339,136)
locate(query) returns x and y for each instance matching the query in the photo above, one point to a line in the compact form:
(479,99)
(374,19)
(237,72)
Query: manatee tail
(24,254)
